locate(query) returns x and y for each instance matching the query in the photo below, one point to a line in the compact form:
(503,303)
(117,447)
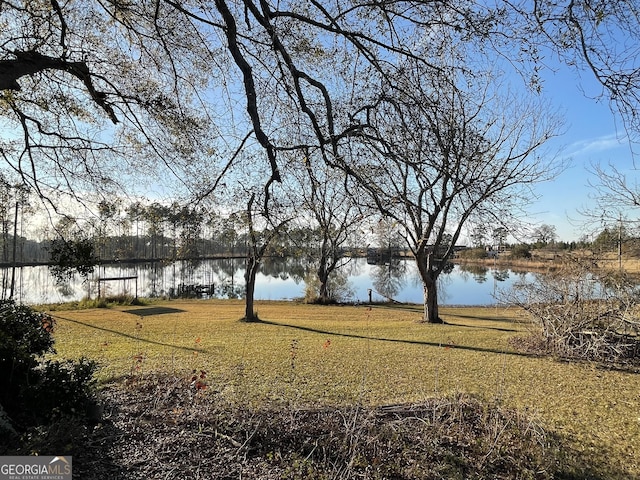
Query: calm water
(279,280)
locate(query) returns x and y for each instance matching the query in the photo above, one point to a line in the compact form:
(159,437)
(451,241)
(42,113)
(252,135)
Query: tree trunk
(429,278)
(431,314)
(250,282)
(323,278)
(323,294)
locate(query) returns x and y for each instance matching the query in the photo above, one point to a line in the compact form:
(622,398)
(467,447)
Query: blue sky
(593,134)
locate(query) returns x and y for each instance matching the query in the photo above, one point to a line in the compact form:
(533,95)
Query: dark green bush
(25,336)
(35,391)
(61,388)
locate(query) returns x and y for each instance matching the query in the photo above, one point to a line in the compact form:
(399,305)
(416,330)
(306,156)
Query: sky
(592,135)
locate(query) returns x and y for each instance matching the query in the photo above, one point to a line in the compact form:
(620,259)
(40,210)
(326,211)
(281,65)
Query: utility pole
(15,243)
(620,244)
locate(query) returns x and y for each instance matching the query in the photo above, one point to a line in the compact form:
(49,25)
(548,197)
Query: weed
(199,380)
(138,363)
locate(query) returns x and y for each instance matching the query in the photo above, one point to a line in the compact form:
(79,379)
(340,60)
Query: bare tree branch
(29,63)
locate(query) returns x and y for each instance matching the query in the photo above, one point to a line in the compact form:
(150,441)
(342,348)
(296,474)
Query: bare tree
(616,193)
(613,216)
(93,89)
(321,60)
(248,209)
(544,234)
(262,227)
(90,90)
(89,86)
(443,148)
(332,214)
(600,37)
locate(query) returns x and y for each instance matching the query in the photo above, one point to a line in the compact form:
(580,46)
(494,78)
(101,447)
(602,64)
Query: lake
(280,279)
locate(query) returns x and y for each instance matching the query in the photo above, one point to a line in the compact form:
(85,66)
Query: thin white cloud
(595,145)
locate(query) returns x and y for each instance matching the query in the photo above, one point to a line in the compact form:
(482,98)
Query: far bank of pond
(279,279)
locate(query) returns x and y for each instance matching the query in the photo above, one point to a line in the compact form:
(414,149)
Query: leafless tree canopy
(441,148)
(597,35)
(328,207)
(85,84)
(615,191)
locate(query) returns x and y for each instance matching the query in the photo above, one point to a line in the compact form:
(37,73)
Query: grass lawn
(317,355)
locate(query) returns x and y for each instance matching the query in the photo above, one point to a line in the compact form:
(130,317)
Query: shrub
(25,336)
(36,391)
(473,253)
(61,388)
(521,251)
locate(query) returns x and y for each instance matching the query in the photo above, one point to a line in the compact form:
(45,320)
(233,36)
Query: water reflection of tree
(229,290)
(227,270)
(353,268)
(156,270)
(389,279)
(444,281)
(478,272)
(188,270)
(225,267)
(500,275)
(338,287)
(64,288)
(284,268)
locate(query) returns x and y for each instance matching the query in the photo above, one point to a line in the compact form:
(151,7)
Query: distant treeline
(151,248)
(196,240)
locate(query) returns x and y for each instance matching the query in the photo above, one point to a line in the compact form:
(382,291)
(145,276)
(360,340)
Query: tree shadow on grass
(410,307)
(399,340)
(482,327)
(134,337)
(483,317)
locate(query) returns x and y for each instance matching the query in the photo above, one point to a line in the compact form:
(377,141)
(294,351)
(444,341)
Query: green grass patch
(319,356)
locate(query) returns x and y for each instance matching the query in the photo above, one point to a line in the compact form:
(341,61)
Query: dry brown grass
(629,264)
(305,355)
(548,260)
